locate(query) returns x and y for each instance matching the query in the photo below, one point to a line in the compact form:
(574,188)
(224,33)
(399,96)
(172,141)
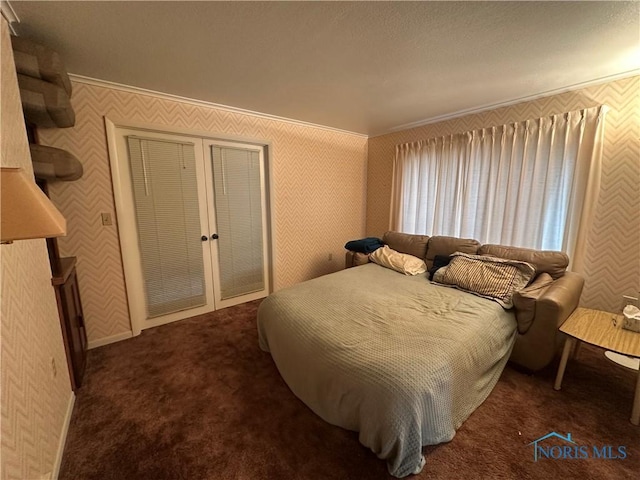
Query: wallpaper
(34,401)
(318,182)
(613,246)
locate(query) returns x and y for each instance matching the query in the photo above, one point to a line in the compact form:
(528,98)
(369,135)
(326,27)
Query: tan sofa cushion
(38,61)
(447,245)
(553,263)
(45,104)
(524,301)
(415,245)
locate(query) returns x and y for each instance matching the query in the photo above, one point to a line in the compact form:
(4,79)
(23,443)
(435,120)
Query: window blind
(168,221)
(238,203)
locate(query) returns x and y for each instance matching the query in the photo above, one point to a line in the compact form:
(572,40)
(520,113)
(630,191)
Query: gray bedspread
(395,358)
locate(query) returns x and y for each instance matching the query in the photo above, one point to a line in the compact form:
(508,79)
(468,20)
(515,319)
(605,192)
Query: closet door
(166,235)
(237,204)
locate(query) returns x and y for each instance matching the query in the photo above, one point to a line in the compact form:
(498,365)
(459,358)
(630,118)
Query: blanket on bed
(393,357)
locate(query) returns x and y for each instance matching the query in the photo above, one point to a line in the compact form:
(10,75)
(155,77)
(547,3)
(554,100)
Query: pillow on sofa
(551,262)
(489,277)
(400,262)
(524,301)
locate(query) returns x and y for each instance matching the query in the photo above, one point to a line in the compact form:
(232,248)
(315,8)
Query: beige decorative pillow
(489,277)
(524,301)
(400,262)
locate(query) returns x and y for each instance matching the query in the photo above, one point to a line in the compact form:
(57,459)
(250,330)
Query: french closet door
(192,217)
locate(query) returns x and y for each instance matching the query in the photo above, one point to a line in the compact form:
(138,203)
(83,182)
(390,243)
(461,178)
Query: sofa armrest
(536,348)
(560,299)
(353,259)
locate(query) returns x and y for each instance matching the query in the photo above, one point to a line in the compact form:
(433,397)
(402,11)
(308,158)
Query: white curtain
(528,184)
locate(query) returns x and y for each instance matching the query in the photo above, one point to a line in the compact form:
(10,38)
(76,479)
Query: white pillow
(400,262)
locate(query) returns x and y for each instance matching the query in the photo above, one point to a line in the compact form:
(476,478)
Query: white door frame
(127,230)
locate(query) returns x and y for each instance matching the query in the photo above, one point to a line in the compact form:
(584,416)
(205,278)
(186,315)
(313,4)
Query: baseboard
(63,437)
(107,340)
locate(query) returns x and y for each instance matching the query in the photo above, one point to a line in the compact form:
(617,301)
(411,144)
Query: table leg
(635,412)
(568,346)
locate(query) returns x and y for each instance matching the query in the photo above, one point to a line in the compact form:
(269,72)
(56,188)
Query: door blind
(168,221)
(238,204)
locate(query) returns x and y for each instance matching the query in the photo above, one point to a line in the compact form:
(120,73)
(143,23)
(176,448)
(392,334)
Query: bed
(400,360)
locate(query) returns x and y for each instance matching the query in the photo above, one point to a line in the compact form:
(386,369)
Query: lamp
(25,211)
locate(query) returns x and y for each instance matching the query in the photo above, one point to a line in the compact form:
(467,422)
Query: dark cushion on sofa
(439,262)
(415,245)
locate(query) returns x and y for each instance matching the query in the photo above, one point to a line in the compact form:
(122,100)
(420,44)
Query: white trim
(406,126)
(507,103)
(200,103)
(271,208)
(63,437)
(184,131)
(107,340)
(9,15)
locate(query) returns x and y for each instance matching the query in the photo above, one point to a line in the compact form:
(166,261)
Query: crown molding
(507,103)
(201,103)
(9,15)
(407,126)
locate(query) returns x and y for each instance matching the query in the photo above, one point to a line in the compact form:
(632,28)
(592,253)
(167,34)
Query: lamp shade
(25,211)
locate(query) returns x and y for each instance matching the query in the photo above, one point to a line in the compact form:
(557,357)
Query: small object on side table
(601,330)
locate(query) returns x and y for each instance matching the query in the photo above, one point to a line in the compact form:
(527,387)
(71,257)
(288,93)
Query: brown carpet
(198,399)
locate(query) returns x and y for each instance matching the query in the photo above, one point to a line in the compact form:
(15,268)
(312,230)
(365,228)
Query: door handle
(204,238)
(214,236)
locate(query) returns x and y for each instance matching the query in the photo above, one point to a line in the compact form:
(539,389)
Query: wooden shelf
(61,269)
(65,284)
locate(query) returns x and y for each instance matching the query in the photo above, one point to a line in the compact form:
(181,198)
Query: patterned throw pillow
(489,277)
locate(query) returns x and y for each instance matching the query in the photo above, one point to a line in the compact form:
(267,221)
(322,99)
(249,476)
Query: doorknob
(204,238)
(214,236)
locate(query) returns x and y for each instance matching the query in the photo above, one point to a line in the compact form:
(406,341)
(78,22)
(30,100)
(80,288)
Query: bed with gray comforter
(400,360)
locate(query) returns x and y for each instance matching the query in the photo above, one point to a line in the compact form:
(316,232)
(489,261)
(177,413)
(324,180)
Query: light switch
(106,219)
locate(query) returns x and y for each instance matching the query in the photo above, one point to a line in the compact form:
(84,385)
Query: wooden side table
(597,328)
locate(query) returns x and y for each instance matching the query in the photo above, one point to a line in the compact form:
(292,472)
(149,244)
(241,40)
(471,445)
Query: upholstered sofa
(537,343)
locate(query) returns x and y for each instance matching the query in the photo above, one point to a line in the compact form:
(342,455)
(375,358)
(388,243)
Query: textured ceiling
(367,67)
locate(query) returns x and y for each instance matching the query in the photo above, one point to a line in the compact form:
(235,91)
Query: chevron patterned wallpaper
(318,183)
(613,257)
(34,401)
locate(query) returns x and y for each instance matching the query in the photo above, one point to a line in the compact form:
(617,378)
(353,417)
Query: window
(528,184)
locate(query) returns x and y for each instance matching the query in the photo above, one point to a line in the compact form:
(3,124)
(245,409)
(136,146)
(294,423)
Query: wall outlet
(106,218)
(54,368)
(330,257)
